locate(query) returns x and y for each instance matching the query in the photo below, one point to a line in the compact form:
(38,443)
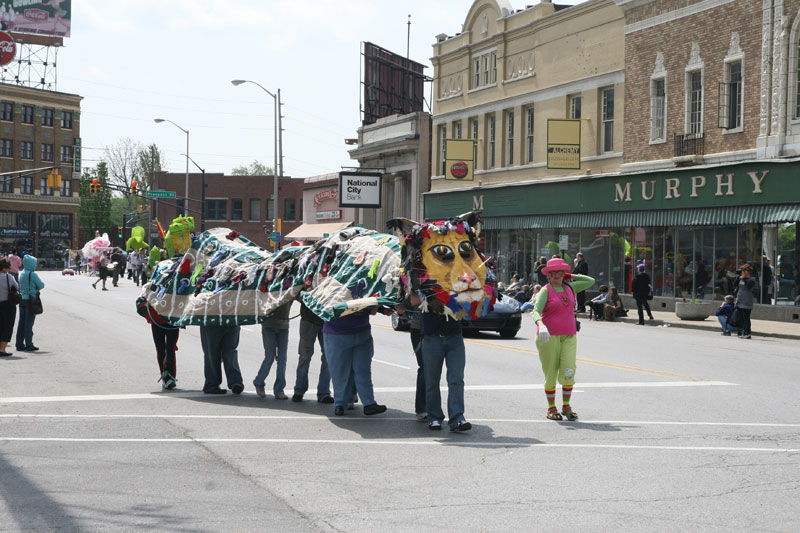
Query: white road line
(322,418)
(198,394)
(390,364)
(471,443)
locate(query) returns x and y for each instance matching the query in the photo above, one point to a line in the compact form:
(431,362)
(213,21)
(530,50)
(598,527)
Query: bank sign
(758,183)
(359,189)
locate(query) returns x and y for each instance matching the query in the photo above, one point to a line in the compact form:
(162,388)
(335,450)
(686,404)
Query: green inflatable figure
(155,257)
(136,242)
(178,238)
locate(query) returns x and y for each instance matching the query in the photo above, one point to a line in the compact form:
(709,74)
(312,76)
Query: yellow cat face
(454,263)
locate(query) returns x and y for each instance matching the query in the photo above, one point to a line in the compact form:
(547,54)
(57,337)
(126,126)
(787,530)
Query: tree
(95,210)
(149,162)
(256,168)
(123,161)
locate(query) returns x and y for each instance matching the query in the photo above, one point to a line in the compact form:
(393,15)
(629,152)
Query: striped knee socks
(566,397)
(551,398)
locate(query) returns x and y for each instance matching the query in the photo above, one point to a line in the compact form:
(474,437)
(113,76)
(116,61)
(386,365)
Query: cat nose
(466,278)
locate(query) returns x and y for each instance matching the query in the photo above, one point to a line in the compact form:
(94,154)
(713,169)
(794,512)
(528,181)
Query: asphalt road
(679,430)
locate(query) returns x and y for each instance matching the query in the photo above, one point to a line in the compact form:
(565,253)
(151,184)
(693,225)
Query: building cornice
(39,199)
(674,15)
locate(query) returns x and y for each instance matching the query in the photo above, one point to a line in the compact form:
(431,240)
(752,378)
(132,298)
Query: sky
(137,60)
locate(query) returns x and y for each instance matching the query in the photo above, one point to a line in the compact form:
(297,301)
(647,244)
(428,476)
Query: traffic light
(119,232)
(133,187)
(94,186)
(140,208)
(54,179)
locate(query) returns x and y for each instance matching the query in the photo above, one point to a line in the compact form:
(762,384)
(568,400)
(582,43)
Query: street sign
(275,236)
(160,194)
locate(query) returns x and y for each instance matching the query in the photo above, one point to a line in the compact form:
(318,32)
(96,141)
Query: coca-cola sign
(8,49)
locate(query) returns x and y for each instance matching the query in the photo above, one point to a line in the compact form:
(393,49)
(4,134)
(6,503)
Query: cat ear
(401,226)
(473,218)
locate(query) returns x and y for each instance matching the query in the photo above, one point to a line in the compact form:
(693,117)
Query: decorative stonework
(766,67)
(452,86)
(659,71)
(694,58)
(520,67)
(779,68)
(485,23)
(735,48)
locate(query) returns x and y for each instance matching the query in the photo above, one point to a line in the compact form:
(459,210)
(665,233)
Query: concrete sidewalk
(762,328)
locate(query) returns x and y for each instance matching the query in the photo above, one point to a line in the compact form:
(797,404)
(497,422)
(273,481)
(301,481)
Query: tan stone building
(39,129)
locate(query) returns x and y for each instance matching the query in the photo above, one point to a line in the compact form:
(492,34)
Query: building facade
(705,166)
(241,203)
(39,129)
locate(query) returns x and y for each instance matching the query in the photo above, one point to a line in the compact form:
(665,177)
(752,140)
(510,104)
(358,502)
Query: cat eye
(443,252)
(465,249)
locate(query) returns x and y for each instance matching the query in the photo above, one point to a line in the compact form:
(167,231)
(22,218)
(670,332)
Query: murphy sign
(760,183)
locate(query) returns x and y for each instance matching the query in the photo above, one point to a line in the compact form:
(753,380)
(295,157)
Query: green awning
(711,216)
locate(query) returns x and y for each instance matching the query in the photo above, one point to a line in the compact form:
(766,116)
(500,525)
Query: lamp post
(276,140)
(186,196)
(202,195)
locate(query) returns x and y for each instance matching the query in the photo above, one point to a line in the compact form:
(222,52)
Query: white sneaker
(434,424)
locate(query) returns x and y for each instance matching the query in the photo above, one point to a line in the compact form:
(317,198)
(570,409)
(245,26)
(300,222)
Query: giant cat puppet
(225,279)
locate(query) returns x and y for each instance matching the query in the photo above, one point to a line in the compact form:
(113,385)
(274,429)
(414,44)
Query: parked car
(506,324)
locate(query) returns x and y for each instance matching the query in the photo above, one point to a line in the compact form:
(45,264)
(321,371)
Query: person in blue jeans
(275,336)
(349,349)
(724,313)
(29,287)
(310,333)
(219,348)
(443,343)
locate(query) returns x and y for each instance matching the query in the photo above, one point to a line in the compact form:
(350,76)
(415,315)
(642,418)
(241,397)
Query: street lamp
(278,135)
(202,195)
(186,196)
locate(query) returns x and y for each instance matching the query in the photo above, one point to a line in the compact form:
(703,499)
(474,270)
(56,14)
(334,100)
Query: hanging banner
(459,163)
(564,143)
(48,17)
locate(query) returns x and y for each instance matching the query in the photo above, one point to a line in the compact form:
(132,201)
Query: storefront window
(55,231)
(724,260)
(658,262)
(703,271)
(787,273)
(749,251)
(683,263)
(619,261)
(669,262)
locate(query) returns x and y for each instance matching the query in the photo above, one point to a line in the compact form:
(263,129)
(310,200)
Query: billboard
(48,17)
(564,143)
(459,163)
(393,84)
(359,189)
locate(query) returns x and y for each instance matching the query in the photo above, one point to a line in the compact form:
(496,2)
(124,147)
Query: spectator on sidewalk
(614,307)
(15,261)
(744,297)
(724,313)
(599,301)
(29,287)
(581,267)
(641,293)
(8,310)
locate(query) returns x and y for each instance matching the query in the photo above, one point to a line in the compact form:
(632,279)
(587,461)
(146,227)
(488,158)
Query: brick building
(242,203)
(39,129)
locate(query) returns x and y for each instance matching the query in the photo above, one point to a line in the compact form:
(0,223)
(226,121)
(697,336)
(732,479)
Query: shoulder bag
(34,302)
(14,297)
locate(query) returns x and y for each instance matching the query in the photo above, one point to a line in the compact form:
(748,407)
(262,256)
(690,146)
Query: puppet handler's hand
(544,335)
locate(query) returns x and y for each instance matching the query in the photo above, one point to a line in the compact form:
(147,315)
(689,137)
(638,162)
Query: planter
(694,310)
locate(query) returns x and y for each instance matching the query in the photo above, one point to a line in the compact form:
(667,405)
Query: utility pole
(408,37)
(280,135)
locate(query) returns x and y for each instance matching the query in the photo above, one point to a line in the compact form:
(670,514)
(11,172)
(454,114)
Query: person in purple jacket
(349,350)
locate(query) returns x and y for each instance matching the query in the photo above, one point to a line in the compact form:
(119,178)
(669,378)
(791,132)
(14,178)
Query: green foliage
(256,168)
(95,210)
(787,237)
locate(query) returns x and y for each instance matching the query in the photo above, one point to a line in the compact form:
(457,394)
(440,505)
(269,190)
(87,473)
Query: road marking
(409,419)
(450,442)
(390,364)
(200,394)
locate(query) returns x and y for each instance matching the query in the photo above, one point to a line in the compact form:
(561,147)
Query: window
(6,184)
(216,209)
(66,120)
(658,107)
(66,187)
(44,190)
(474,123)
(509,138)
(289,209)
(67,154)
(301,210)
(26,150)
(529,135)
(443,146)
(694,86)
(180,207)
(608,120)
(27,114)
(457,128)
(730,97)
(271,208)
(236,209)
(47,152)
(484,67)
(26,185)
(7,111)
(254,213)
(575,107)
(490,154)
(6,148)
(47,117)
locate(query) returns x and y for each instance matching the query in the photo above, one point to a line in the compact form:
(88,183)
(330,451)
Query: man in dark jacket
(118,258)
(744,286)
(641,290)
(581,267)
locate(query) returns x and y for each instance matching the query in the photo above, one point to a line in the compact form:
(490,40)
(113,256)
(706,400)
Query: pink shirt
(559,314)
(15,261)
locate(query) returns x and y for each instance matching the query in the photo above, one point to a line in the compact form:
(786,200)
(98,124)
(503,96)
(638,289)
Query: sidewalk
(761,328)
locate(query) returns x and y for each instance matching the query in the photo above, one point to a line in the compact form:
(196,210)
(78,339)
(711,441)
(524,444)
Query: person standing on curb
(29,287)
(581,267)
(8,310)
(556,336)
(311,332)
(641,290)
(744,298)
(219,348)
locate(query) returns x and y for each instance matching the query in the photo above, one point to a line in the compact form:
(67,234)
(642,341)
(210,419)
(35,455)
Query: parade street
(679,430)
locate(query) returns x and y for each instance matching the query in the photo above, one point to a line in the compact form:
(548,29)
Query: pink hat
(555,265)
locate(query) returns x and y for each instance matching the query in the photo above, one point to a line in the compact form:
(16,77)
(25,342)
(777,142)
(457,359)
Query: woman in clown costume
(556,340)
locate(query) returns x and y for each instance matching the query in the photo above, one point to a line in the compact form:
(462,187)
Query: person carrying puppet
(556,338)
